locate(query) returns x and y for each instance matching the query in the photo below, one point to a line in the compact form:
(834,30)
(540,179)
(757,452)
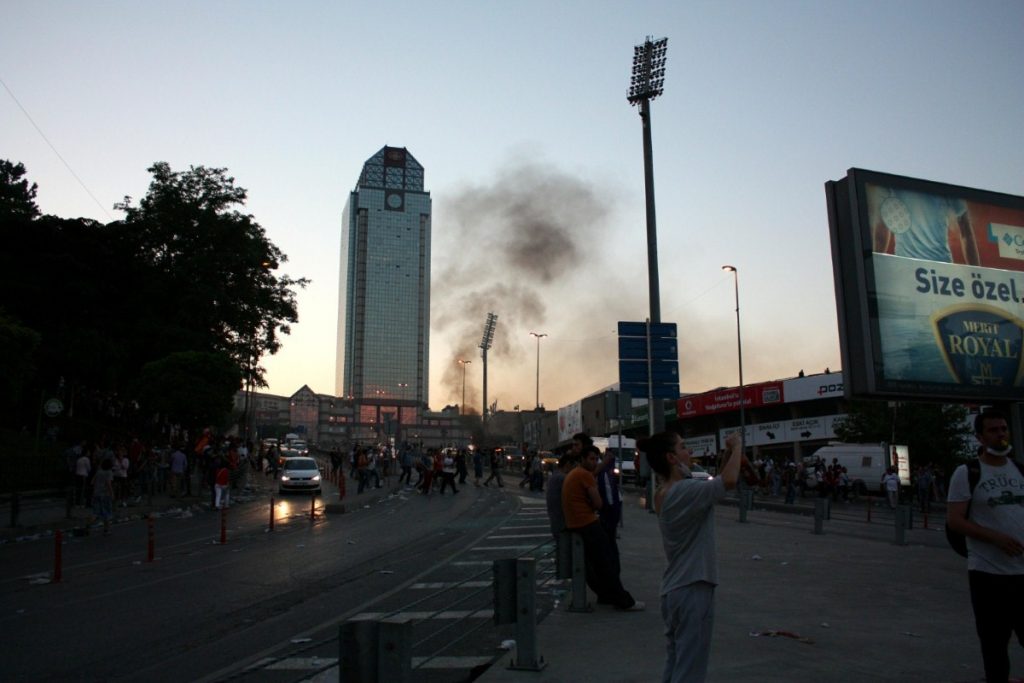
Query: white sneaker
(637,606)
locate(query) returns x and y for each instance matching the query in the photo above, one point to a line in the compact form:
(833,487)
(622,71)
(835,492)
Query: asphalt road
(206,610)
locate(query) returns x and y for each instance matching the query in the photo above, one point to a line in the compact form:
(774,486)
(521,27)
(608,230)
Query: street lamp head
(538,335)
(731,269)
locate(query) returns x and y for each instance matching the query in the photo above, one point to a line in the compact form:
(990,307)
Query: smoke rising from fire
(511,245)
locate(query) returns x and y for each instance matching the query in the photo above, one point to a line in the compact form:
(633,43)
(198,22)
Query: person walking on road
(103,494)
(448,471)
(989,511)
(686,517)
(495,469)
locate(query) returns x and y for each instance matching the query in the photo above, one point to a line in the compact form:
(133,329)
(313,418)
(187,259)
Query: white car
(299,474)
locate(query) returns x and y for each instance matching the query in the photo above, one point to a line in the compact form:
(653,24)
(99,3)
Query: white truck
(865,463)
(625,459)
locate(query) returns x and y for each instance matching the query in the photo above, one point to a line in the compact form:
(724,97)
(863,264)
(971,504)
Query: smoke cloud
(511,245)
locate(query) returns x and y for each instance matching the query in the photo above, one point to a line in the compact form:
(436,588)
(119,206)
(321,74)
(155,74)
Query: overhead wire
(52,147)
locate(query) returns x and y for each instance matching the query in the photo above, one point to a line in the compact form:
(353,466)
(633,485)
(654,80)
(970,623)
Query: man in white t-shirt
(992,519)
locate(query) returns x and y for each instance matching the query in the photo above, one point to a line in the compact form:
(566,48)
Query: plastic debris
(297,641)
(757,557)
(912,635)
(38,582)
(507,645)
(386,571)
(782,634)
(824,624)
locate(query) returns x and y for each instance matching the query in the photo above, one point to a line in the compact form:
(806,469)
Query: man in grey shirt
(686,516)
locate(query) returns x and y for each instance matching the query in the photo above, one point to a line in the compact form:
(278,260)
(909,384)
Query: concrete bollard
(578,603)
(527,656)
(563,555)
(819,515)
(900,524)
(151,539)
(58,539)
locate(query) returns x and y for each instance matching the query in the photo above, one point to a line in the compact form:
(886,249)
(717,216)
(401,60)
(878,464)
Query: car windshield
(300,464)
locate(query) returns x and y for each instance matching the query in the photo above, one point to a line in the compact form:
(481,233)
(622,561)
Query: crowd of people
(105,475)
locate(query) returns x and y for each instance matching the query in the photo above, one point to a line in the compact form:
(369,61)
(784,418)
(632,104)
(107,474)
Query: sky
(533,157)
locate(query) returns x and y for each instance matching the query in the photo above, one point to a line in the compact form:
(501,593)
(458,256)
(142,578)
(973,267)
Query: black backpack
(958,541)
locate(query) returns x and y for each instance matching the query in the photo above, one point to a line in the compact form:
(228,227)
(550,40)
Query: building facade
(383,344)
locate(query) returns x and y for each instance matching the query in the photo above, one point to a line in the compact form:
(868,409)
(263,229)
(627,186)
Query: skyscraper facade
(383,342)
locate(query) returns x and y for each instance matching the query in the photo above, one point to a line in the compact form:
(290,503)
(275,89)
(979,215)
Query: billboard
(726,400)
(929,288)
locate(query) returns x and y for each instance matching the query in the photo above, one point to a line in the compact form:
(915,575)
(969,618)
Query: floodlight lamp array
(648,78)
(488,338)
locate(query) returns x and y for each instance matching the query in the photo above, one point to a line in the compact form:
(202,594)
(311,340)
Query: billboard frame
(857,287)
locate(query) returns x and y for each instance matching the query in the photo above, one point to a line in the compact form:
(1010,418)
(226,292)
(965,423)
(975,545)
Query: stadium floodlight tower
(646,83)
(485,343)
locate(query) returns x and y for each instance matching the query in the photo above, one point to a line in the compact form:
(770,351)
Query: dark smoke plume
(513,242)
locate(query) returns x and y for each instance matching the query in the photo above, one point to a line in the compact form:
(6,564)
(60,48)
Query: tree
(18,345)
(190,387)
(185,272)
(933,432)
(17,197)
(213,265)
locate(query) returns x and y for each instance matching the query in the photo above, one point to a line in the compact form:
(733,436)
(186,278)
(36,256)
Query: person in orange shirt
(580,503)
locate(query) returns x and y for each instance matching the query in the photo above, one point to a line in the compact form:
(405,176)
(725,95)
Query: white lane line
(547,535)
(450,662)
(302,663)
(420,616)
(450,584)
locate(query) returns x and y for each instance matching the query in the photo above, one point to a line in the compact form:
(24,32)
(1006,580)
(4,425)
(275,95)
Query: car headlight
(285,477)
(316,477)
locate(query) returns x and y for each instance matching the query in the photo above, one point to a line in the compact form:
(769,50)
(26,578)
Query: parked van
(865,463)
(626,459)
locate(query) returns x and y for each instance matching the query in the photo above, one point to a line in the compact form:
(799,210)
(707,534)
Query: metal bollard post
(579,577)
(58,539)
(819,515)
(357,652)
(900,523)
(151,533)
(746,502)
(563,555)
(527,657)
(394,649)
(15,508)
(271,513)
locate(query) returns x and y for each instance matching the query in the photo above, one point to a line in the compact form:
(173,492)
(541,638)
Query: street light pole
(739,354)
(462,406)
(538,335)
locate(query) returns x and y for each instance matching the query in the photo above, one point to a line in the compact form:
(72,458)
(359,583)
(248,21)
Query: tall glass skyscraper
(384,287)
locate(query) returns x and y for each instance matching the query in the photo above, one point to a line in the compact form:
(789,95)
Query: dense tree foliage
(933,432)
(184,284)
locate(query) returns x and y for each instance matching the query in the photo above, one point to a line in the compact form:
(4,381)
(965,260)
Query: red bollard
(271,513)
(869,508)
(58,538)
(223,526)
(151,546)
(312,507)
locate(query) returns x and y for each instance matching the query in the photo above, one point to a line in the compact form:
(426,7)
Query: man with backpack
(986,505)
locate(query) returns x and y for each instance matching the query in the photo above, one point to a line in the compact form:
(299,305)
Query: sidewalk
(791,606)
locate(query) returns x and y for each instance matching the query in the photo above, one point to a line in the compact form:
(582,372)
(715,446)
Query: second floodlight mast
(485,343)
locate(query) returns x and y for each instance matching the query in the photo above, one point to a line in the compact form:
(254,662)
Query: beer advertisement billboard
(929,288)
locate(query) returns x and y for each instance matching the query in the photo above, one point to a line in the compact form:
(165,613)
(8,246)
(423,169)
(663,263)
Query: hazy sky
(533,156)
